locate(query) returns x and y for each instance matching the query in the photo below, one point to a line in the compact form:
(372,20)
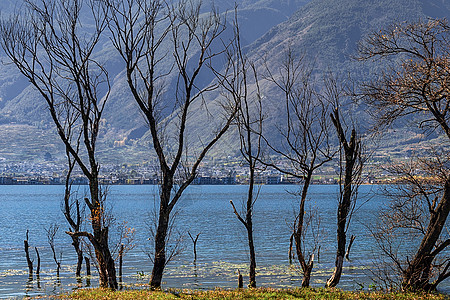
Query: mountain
(326,32)
(21,104)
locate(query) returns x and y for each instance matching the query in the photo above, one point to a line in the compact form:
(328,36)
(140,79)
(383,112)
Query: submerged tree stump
(347,253)
(88,266)
(240,280)
(27,254)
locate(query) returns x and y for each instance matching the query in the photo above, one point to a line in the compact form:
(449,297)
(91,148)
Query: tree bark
(120,261)
(107,270)
(249,227)
(306,266)
(307,272)
(159,262)
(106,266)
(251,246)
(77,246)
(88,266)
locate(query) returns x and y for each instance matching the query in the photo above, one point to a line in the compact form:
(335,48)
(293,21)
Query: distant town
(227,172)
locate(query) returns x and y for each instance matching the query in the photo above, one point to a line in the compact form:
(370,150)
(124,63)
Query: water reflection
(38,281)
(29,286)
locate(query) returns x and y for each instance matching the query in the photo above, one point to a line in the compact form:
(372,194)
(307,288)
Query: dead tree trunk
(291,253)
(38,267)
(306,266)
(107,270)
(249,227)
(349,247)
(120,262)
(251,198)
(51,233)
(160,261)
(27,255)
(77,246)
(240,280)
(307,272)
(351,154)
(88,266)
(194,241)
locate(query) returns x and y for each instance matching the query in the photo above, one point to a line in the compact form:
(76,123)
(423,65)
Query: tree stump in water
(240,280)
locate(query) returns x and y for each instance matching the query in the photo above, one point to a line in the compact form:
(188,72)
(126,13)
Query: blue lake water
(221,247)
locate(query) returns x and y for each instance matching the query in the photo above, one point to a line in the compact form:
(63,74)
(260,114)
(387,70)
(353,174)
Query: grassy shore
(260,293)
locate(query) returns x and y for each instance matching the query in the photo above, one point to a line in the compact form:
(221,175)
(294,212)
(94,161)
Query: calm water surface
(221,247)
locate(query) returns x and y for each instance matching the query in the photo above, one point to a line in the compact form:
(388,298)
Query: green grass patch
(260,293)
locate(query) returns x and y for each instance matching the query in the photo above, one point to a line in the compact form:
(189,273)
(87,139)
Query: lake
(221,247)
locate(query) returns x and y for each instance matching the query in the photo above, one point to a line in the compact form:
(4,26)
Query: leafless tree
(49,45)
(124,244)
(51,233)
(305,140)
(148,34)
(416,84)
(236,83)
(194,242)
(351,163)
(414,199)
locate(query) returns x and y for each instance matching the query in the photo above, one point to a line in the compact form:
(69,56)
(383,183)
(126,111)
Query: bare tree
(408,214)
(350,168)
(236,82)
(143,31)
(124,244)
(194,242)
(49,46)
(417,85)
(51,233)
(304,143)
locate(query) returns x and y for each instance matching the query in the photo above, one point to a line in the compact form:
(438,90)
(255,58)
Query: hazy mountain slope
(257,17)
(329,30)
(21,104)
(325,31)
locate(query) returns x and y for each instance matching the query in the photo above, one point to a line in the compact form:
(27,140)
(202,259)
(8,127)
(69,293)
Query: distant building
(273,179)
(6,180)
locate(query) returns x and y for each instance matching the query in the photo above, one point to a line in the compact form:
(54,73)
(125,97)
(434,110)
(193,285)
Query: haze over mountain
(325,31)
